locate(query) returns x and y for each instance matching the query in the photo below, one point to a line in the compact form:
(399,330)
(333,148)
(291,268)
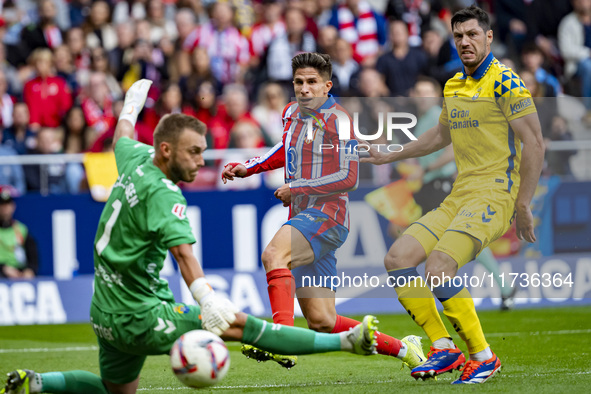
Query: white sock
(482,355)
(36,383)
(444,343)
(403,351)
(346,345)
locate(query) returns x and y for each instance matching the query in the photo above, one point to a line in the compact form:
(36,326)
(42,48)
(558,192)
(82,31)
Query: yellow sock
(416,298)
(461,312)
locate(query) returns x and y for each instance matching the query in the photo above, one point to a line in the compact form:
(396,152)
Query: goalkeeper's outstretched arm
(217,314)
(135,98)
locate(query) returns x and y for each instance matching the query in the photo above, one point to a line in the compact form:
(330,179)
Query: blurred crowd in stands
(65,65)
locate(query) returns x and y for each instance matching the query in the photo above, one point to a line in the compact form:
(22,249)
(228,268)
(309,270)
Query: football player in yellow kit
(490,118)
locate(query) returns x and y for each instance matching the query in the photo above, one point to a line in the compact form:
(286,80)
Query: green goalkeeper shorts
(126,339)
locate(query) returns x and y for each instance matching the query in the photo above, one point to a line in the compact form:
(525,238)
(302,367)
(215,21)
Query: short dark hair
(531,47)
(170,128)
(318,61)
(472,12)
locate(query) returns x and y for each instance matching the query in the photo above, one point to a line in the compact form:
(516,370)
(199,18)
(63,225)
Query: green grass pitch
(542,351)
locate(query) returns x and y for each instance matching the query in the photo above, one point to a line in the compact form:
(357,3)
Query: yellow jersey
(477,109)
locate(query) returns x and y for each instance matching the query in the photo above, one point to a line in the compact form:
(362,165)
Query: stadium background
(235,83)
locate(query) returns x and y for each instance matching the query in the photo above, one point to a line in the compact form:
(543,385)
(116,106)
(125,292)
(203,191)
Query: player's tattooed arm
(529,131)
(135,98)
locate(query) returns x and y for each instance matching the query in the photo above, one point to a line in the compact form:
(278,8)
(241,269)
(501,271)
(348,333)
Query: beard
(177,172)
(474,62)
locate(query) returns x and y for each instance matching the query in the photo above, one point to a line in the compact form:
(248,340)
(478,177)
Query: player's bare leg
(318,307)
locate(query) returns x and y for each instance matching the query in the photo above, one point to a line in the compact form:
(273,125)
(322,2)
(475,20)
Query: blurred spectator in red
(45,34)
(6,103)
(344,68)
(99,63)
(363,27)
(122,54)
(98,30)
(160,27)
(77,46)
(64,67)
(187,29)
(295,40)
(78,137)
(19,136)
(169,102)
(269,110)
(204,103)
(195,70)
(18,250)
(227,48)
(47,96)
(97,103)
(402,65)
(267,30)
(233,109)
(126,11)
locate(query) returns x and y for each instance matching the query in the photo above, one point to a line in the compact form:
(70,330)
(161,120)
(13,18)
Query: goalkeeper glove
(135,98)
(216,313)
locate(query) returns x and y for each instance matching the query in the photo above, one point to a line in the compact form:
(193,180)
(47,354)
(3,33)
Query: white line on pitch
(233,345)
(51,349)
(558,332)
(300,385)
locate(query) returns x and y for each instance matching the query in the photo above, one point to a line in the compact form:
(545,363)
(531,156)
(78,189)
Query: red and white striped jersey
(320,170)
(262,35)
(227,50)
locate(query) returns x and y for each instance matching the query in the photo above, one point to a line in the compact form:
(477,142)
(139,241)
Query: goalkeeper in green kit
(133,312)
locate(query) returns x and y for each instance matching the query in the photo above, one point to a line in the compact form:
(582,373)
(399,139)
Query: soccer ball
(199,358)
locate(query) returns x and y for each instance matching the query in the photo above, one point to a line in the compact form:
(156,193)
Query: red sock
(281,288)
(387,345)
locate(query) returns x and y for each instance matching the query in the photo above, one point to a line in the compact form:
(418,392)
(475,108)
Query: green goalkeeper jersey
(144,217)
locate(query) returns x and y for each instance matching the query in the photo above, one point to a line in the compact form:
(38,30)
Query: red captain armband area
(229,164)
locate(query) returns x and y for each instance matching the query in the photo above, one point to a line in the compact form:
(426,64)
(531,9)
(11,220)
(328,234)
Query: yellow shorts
(484,214)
